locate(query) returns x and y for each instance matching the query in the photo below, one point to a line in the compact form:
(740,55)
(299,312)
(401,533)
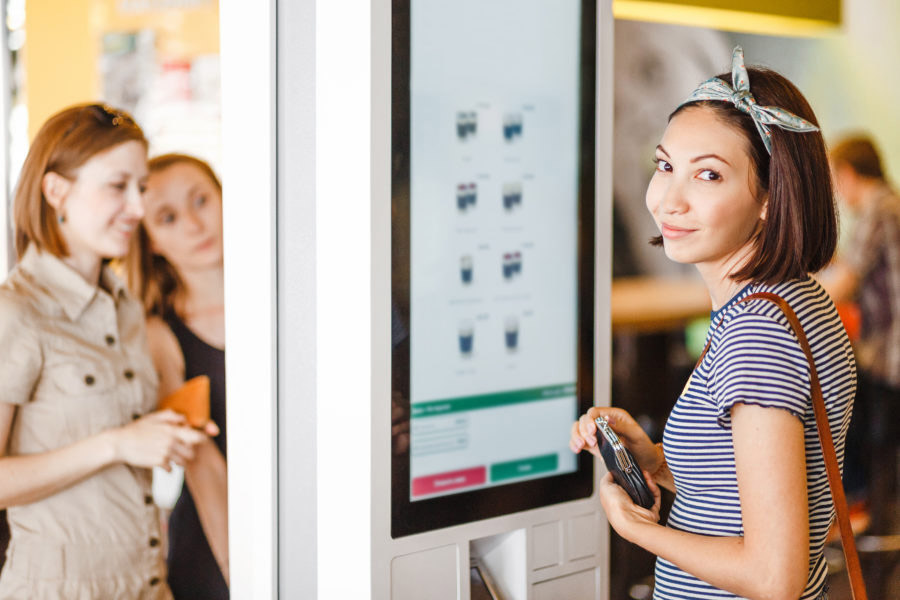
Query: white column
(5,102)
(247,32)
(344,225)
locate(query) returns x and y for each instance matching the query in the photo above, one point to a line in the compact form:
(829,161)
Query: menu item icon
(466,124)
(466,337)
(512,126)
(465,268)
(466,196)
(511,331)
(508,269)
(512,265)
(512,195)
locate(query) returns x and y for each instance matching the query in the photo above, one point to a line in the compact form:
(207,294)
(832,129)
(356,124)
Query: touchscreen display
(493,234)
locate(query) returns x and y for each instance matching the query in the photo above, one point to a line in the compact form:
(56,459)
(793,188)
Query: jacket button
(148,500)
(154,581)
(110,340)
(89,379)
(129,374)
(154,542)
(135,416)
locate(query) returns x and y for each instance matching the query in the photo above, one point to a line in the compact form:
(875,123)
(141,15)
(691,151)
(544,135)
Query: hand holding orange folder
(190,400)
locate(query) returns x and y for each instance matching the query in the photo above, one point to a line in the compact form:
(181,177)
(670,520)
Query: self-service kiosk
(440,250)
(494,270)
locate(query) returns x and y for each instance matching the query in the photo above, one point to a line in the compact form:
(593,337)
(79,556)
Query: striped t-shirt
(754,358)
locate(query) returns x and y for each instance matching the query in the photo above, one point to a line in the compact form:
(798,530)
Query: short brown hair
(150,276)
(799,234)
(64,143)
(859,153)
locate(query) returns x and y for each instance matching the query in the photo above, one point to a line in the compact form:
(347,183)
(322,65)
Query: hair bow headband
(739,95)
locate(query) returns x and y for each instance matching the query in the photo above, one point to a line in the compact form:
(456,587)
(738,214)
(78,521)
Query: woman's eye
(709,175)
(120,185)
(167,218)
(662,165)
(200,201)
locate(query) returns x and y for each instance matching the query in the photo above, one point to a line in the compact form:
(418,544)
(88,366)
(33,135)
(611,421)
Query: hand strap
(857,584)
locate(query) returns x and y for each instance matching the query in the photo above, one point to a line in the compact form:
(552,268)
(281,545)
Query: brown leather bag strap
(857,584)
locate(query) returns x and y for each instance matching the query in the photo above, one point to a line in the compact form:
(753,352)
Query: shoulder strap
(854,570)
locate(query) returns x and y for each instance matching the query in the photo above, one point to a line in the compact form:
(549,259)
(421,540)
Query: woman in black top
(176,269)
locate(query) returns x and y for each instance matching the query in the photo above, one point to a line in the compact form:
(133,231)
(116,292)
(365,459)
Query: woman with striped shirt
(742,191)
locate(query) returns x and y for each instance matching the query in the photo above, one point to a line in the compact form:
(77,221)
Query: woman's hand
(584,436)
(622,513)
(156,440)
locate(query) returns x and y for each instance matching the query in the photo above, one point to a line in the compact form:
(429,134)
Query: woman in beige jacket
(78,431)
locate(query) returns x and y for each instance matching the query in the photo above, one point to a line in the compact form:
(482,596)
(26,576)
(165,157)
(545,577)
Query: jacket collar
(65,285)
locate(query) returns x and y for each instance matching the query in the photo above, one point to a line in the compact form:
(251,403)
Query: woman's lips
(670,232)
(205,245)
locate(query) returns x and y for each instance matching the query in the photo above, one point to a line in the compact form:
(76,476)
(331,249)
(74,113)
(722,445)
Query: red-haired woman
(78,428)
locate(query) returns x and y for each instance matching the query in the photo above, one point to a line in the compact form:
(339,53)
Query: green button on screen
(524,467)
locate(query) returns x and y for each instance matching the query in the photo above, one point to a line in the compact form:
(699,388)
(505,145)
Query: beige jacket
(75,362)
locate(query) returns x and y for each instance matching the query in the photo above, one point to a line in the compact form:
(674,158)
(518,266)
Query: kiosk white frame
(306,130)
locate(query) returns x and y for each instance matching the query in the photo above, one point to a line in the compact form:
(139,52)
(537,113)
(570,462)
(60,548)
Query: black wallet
(622,465)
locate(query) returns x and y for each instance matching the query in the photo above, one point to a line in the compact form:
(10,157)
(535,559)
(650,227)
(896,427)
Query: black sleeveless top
(193,571)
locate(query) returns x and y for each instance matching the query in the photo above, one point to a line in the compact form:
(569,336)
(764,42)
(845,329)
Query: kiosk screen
(496,305)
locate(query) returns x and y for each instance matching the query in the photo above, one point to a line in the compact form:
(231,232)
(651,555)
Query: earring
(61,218)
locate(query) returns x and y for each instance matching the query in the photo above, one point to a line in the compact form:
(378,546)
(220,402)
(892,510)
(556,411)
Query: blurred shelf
(654,305)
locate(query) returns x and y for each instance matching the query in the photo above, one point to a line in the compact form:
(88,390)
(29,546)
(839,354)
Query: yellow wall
(769,17)
(63,45)
(823,10)
(60,55)
(849,78)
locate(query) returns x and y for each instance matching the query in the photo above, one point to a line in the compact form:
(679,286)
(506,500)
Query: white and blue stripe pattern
(754,358)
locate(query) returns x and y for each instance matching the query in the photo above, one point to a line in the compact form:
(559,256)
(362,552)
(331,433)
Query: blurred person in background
(867,273)
(79,433)
(176,269)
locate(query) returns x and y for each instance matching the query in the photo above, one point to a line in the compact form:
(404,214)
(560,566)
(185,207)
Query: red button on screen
(443,482)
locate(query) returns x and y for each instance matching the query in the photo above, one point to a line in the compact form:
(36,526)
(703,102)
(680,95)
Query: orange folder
(190,400)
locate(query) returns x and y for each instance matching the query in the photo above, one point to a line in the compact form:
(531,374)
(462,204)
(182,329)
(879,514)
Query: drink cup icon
(511,331)
(509,196)
(462,125)
(508,266)
(466,124)
(462,197)
(466,196)
(465,268)
(517,124)
(512,195)
(466,337)
(509,127)
(512,126)
(517,263)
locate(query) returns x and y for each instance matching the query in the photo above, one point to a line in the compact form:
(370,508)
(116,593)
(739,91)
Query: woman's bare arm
(154,440)
(26,479)
(207,478)
(205,475)
(771,560)
(166,354)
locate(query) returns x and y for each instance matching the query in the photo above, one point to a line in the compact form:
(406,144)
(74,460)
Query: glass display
(493,243)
